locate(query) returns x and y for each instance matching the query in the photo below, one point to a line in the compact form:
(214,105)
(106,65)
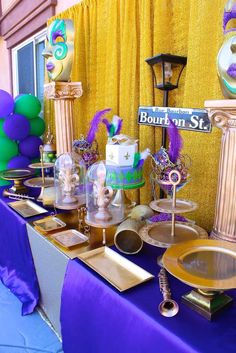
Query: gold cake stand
(17,176)
(207,265)
(167,233)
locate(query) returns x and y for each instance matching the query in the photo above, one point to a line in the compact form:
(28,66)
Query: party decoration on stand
(207,265)
(222,115)
(87,146)
(69,174)
(19,142)
(171,172)
(49,148)
(59,53)
(124,162)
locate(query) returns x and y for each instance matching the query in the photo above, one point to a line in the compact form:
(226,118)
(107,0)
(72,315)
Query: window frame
(35,39)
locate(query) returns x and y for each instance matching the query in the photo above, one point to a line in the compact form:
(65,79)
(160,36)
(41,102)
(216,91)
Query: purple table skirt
(17,270)
(96,318)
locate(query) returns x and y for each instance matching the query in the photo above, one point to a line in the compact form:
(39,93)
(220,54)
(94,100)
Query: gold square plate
(49,224)
(27,208)
(69,238)
(116,269)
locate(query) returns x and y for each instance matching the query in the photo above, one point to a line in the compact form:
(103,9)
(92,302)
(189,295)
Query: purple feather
(163,217)
(175,142)
(94,125)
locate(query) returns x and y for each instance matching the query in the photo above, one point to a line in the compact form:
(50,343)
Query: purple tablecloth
(96,318)
(17,270)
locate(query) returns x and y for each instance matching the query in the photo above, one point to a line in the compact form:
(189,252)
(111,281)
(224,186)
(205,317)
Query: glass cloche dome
(69,175)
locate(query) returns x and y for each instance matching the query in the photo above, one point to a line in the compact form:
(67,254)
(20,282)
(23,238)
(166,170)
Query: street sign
(184,118)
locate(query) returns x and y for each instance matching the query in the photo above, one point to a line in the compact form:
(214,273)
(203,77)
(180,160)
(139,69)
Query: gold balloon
(226,67)
(59,50)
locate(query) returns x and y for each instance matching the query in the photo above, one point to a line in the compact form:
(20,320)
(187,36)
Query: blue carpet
(23,334)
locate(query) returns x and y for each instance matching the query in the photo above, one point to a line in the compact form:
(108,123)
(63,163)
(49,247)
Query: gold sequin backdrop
(113,38)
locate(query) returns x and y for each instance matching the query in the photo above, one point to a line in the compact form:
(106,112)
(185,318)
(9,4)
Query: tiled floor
(23,334)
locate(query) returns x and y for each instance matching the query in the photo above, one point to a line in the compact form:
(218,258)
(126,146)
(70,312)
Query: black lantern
(166,70)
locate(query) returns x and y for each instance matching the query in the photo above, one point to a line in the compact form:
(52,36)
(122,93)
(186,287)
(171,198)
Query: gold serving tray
(49,224)
(69,238)
(165,205)
(27,208)
(159,233)
(204,263)
(16,174)
(117,270)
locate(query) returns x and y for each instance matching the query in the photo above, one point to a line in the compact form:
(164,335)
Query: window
(28,66)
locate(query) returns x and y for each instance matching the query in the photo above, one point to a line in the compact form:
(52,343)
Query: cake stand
(209,266)
(17,176)
(167,233)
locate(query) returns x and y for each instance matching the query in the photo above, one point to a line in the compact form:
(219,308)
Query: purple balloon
(6,103)
(16,127)
(29,147)
(18,162)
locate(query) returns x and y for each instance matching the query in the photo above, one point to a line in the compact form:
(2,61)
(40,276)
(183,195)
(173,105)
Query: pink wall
(5,82)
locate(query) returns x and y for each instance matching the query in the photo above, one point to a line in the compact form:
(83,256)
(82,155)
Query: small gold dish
(40,166)
(69,238)
(27,208)
(116,269)
(49,224)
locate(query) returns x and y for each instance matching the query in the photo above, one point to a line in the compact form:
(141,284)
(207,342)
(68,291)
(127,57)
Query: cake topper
(59,50)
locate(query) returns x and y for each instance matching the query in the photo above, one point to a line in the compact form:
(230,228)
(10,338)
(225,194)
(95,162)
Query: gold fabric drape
(113,38)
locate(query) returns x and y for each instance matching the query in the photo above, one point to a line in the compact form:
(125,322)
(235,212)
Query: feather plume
(94,124)
(114,127)
(175,142)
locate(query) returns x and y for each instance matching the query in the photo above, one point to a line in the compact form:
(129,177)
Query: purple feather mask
(164,161)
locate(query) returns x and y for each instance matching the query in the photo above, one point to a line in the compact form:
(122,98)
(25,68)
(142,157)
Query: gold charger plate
(38,182)
(116,269)
(159,233)
(27,208)
(204,263)
(49,224)
(165,205)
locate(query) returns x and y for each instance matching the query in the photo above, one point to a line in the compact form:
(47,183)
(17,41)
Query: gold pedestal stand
(167,233)
(207,303)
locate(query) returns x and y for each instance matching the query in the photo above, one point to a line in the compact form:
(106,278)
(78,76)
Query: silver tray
(165,205)
(117,270)
(27,208)
(69,238)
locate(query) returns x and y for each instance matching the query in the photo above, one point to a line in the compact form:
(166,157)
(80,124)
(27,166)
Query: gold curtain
(113,39)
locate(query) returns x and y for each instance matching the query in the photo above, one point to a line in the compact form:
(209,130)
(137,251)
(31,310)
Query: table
(96,318)
(17,270)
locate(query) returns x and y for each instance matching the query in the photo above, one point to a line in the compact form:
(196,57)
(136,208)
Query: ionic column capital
(63,90)
(222,113)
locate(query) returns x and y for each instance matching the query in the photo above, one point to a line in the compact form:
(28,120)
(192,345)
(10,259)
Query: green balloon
(37,126)
(27,105)
(8,149)
(3,166)
(2,133)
